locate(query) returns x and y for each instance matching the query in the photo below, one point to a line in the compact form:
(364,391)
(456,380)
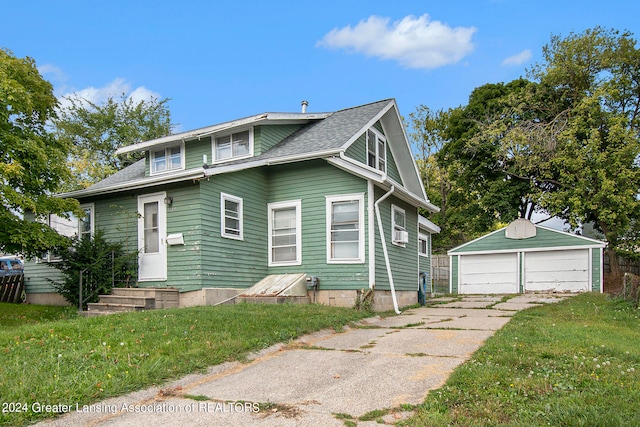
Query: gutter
(384,248)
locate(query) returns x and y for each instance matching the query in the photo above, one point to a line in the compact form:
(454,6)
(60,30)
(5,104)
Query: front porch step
(147,303)
(99,308)
(134,299)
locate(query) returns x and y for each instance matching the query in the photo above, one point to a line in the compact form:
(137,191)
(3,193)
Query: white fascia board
(199,133)
(450,252)
(136,184)
(353,166)
(221,168)
(525,250)
(370,123)
(598,243)
(430,226)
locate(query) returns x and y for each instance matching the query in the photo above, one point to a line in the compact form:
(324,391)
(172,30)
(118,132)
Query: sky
(223,60)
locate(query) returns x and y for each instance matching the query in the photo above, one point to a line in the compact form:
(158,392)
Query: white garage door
(557,271)
(489,274)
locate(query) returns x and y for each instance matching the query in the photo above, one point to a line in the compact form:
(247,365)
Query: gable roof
(323,135)
(545,239)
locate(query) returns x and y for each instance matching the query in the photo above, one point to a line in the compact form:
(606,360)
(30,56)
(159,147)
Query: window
(423,244)
(400,234)
(167,159)
(235,145)
(376,150)
(285,247)
(231,216)
(71,227)
(345,229)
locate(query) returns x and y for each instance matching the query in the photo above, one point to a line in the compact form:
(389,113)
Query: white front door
(152,258)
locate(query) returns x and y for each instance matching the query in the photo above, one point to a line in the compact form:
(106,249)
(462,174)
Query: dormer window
(376,150)
(167,159)
(235,145)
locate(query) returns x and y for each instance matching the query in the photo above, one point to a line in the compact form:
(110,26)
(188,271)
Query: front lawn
(84,360)
(574,363)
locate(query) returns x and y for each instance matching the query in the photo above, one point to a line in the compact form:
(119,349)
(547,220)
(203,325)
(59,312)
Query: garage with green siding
(524,257)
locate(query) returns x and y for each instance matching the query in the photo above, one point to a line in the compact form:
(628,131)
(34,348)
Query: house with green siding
(336,197)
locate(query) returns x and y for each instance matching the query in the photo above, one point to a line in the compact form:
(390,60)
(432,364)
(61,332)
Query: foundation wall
(46,298)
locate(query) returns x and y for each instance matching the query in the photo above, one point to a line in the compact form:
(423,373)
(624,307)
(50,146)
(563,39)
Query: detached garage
(524,257)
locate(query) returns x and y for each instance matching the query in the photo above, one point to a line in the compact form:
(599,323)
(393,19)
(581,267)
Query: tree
(32,162)
(595,166)
(96,131)
(428,138)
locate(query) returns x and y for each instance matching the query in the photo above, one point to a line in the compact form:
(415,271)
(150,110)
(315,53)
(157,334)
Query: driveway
(322,378)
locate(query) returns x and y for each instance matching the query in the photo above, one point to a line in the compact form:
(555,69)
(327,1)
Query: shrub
(102,264)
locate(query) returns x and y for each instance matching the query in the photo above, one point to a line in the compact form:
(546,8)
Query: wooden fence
(440,271)
(12,288)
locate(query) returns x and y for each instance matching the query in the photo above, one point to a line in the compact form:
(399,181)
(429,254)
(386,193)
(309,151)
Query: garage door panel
(557,271)
(488,274)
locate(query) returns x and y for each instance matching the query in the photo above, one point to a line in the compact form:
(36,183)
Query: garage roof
(545,238)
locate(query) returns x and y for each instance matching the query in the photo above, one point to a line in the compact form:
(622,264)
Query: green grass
(20,314)
(84,360)
(574,363)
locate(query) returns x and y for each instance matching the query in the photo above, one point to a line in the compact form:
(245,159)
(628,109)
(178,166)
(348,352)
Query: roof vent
(304,104)
(520,229)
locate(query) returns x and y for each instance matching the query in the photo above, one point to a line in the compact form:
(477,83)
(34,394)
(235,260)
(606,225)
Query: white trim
(158,274)
(166,149)
(379,136)
(164,178)
(92,218)
(329,200)
(297,204)
(209,130)
(425,237)
(232,158)
(394,239)
(371,233)
(427,225)
(543,249)
(223,216)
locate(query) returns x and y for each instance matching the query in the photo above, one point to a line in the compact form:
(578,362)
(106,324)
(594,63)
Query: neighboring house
(524,257)
(331,195)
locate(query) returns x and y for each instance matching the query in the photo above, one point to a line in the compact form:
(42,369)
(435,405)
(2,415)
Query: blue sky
(223,60)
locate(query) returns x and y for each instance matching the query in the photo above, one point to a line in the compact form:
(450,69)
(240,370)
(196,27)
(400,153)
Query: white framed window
(167,159)
(345,229)
(285,233)
(72,227)
(423,244)
(376,150)
(233,146)
(231,216)
(399,221)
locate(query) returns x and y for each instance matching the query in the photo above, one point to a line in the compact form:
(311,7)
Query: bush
(102,264)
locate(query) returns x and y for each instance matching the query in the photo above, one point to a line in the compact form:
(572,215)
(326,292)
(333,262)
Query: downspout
(384,248)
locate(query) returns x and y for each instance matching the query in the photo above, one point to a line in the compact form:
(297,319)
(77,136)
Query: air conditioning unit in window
(400,236)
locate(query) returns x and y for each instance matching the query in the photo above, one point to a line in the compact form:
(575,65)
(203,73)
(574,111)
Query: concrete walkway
(382,363)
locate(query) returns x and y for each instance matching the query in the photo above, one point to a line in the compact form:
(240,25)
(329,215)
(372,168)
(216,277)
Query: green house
(524,257)
(334,196)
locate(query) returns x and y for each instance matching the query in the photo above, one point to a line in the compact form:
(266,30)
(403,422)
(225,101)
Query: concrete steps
(134,299)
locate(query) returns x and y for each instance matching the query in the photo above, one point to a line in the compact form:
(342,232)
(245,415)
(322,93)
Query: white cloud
(518,59)
(114,89)
(413,42)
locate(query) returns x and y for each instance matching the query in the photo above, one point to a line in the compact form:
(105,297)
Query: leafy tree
(101,263)
(32,162)
(595,164)
(96,131)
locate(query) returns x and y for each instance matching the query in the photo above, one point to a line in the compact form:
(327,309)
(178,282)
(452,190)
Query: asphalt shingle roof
(320,136)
